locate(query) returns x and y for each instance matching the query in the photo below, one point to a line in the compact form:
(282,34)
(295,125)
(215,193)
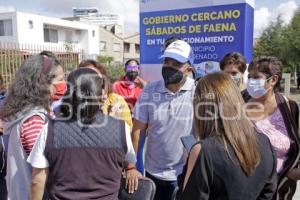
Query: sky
(266,11)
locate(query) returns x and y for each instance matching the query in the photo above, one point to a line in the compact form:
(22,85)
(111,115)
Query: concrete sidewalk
(297,194)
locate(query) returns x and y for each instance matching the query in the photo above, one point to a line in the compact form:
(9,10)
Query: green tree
(271,40)
(115,72)
(283,42)
(293,41)
(107,60)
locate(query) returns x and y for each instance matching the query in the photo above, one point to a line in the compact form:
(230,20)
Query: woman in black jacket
(231,161)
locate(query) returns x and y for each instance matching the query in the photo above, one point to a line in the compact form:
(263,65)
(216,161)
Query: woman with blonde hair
(231,160)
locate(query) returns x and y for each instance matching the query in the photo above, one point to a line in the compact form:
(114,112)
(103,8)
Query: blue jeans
(164,189)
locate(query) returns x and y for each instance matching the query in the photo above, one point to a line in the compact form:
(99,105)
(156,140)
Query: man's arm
(132,175)
(138,127)
(39,177)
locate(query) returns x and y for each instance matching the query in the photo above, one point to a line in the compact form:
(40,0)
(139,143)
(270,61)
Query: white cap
(180,51)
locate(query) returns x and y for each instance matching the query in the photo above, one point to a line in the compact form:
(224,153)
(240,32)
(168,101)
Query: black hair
(83,97)
(132,59)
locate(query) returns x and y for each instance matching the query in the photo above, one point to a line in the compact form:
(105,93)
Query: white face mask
(256,87)
(237,78)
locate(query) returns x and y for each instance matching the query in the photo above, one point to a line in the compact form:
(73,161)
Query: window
(30,24)
(50,35)
(68,36)
(126,47)
(102,46)
(117,47)
(6,27)
(137,48)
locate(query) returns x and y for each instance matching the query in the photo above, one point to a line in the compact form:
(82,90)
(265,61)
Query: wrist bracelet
(130,168)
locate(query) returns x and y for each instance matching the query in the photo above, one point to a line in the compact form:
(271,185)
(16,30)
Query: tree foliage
(114,72)
(107,60)
(283,42)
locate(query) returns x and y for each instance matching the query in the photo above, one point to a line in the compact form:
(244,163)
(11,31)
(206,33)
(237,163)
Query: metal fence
(12,56)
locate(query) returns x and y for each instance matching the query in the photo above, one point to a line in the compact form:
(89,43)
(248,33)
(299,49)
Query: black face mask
(131,75)
(171,75)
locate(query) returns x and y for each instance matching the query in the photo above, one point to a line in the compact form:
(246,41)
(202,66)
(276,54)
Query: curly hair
(30,87)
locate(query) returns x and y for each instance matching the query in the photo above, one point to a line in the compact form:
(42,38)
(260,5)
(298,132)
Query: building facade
(94,40)
(121,49)
(111,45)
(132,46)
(28,28)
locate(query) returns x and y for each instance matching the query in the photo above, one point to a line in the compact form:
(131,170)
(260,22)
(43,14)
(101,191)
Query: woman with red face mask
(38,82)
(59,85)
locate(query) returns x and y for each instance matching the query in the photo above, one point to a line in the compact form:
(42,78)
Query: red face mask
(60,90)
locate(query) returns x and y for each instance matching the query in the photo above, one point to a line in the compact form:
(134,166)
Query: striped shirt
(30,131)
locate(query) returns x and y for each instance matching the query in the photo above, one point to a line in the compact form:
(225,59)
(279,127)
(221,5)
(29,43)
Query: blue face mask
(256,87)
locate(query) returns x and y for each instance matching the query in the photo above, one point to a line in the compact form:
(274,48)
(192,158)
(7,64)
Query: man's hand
(132,180)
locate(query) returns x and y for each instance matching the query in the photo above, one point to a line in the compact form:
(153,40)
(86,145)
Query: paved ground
(297,195)
(295,94)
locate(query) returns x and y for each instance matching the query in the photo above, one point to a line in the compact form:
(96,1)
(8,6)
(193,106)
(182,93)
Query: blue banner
(212,32)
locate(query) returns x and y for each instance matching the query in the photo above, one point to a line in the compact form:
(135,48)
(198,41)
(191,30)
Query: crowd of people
(78,138)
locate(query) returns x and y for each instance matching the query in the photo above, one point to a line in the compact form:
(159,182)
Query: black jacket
(217,176)
(290,113)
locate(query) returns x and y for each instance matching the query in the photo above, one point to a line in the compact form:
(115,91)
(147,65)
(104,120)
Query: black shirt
(215,176)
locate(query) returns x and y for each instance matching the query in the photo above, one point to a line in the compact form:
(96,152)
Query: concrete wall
(133,41)
(110,39)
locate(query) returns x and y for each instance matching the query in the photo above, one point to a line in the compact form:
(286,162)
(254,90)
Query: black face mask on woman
(131,75)
(171,75)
